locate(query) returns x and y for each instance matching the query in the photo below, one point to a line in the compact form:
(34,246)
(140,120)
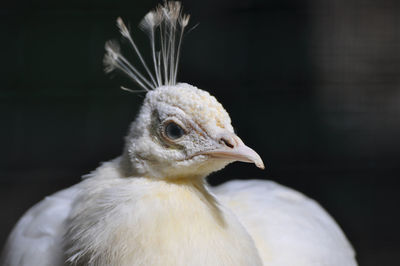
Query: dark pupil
(174,131)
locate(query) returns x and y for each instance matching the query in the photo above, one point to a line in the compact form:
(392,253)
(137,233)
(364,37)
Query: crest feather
(165,27)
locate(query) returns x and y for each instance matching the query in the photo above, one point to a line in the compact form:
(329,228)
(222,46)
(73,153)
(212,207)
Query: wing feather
(37,237)
(287,227)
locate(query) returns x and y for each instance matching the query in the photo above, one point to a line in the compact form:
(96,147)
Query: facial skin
(183,132)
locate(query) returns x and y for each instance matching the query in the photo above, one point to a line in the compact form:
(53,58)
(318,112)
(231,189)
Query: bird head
(181,131)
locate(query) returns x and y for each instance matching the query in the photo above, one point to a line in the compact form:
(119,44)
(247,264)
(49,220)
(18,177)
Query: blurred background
(313,86)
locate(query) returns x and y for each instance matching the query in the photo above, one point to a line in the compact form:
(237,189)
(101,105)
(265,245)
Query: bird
(153,206)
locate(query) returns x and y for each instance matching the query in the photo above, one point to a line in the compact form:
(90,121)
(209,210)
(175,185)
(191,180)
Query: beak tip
(260,164)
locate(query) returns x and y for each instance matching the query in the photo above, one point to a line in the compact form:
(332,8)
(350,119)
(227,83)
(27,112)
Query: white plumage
(152,206)
(287,228)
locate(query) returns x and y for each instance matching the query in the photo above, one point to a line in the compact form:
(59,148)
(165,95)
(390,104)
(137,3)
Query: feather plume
(113,59)
(165,27)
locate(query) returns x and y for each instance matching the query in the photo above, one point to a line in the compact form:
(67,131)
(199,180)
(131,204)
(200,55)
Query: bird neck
(138,167)
(195,184)
(197,187)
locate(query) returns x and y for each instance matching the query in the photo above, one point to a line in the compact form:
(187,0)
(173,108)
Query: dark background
(313,86)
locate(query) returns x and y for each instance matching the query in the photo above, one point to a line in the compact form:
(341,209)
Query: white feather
(170,23)
(120,216)
(287,227)
(113,59)
(37,238)
(126,34)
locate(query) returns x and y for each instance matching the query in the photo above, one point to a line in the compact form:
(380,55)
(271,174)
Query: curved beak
(233,148)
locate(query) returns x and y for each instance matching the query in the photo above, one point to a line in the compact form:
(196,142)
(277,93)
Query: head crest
(165,26)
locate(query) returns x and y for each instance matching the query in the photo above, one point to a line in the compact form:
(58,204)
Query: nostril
(227,142)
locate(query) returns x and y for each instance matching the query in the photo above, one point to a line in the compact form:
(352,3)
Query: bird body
(152,205)
(141,221)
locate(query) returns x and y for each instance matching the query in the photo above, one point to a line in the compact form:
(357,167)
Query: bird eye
(174,131)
